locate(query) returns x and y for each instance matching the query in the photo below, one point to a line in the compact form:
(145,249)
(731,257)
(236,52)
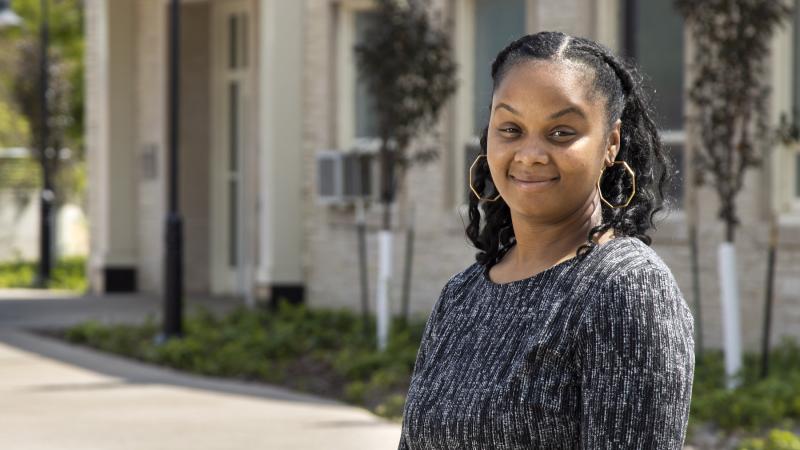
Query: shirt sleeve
(422,354)
(636,357)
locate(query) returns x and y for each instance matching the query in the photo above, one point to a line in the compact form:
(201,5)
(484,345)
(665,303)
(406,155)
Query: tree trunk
(693,219)
(773,245)
(361,231)
(408,265)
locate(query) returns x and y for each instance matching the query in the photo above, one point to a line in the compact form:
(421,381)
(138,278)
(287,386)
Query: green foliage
(776,440)
(20,174)
(757,403)
(729,90)
(68,273)
(14,128)
(327,352)
(66,43)
(20,86)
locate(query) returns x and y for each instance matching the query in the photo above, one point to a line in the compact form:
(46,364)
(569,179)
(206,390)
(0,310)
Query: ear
(614,140)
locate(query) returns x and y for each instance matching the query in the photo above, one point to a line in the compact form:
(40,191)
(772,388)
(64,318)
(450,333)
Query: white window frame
(227,279)
(677,136)
(793,153)
(782,163)
(346,78)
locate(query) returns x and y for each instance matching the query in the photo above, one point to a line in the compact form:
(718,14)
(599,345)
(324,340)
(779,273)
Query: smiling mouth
(534,186)
(534,182)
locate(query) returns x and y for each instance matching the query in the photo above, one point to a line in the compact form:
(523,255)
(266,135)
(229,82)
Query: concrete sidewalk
(60,396)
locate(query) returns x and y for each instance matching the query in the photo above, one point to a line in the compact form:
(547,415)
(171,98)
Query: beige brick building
(268,85)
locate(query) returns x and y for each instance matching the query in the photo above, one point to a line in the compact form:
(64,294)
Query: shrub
(68,273)
(757,403)
(328,352)
(776,440)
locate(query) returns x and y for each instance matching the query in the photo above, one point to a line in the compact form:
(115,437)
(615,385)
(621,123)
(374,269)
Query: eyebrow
(507,107)
(569,110)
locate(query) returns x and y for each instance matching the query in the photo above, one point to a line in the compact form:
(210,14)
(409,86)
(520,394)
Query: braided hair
(621,85)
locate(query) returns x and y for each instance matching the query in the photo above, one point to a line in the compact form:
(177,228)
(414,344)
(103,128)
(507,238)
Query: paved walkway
(58,396)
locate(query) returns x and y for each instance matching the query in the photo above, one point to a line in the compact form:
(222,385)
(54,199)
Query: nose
(531,152)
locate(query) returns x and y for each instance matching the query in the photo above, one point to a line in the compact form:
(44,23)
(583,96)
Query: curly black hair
(622,86)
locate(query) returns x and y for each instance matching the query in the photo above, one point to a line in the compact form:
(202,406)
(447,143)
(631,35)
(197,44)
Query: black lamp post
(46,155)
(173,271)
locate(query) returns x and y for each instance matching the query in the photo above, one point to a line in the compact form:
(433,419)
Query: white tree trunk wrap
(382,287)
(730,311)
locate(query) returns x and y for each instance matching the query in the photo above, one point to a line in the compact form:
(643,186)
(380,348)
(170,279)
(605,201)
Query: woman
(568,331)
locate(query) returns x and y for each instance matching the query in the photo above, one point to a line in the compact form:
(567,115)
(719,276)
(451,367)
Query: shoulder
(640,294)
(628,253)
(464,277)
(633,264)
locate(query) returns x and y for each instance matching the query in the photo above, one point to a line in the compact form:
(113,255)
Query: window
(797,177)
(356,123)
(652,34)
(366,125)
(795,187)
(494,23)
(796,62)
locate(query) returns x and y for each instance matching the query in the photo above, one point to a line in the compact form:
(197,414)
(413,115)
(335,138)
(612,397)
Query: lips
(533,179)
(524,185)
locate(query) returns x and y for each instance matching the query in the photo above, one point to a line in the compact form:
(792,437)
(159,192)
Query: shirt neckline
(566,262)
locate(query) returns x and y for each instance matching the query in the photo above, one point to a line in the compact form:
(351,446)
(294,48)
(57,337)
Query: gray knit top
(593,353)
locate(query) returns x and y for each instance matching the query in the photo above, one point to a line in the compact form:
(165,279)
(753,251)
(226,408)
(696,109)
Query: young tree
(59,33)
(728,94)
(408,68)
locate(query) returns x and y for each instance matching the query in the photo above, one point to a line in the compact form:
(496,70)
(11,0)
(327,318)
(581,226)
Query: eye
(562,135)
(509,130)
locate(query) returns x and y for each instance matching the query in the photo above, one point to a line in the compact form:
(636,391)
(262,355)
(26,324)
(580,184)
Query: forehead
(540,85)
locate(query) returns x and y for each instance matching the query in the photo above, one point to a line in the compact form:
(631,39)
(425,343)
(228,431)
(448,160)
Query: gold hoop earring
(470,182)
(633,183)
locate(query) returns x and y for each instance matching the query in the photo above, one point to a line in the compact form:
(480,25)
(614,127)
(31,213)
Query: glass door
(232,68)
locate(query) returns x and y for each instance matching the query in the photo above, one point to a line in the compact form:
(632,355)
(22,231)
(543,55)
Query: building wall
(282,179)
(138,131)
(301,241)
(195,144)
(441,248)
(151,138)
(332,248)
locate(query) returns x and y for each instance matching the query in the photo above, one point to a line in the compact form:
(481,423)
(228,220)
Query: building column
(281,179)
(110,141)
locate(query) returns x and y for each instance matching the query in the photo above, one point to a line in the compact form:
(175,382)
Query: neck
(539,242)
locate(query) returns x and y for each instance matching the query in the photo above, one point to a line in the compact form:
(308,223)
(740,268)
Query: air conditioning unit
(346,176)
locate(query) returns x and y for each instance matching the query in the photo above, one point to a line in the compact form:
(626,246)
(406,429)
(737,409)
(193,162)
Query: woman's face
(546,143)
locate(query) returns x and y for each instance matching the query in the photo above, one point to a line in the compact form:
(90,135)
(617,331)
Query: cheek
(578,171)
(497,161)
